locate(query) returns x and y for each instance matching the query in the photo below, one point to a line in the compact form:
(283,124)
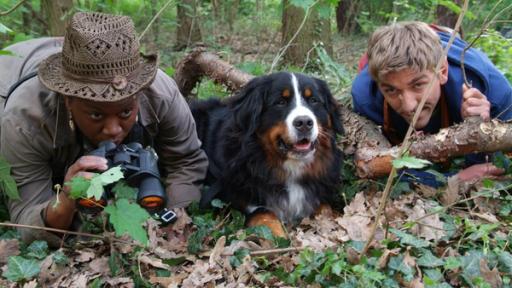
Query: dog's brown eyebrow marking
(286,93)
(307,92)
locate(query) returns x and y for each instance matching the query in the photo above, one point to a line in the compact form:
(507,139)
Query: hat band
(106,70)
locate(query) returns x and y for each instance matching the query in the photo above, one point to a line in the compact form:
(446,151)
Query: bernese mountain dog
(272,148)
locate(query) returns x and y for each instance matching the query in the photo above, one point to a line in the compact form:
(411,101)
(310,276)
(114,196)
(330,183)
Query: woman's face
(100,121)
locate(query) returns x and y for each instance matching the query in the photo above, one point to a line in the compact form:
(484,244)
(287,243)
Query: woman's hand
(60,215)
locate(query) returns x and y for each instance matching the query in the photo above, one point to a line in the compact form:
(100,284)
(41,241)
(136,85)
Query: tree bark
(313,31)
(446,17)
(471,136)
(188,31)
(55,11)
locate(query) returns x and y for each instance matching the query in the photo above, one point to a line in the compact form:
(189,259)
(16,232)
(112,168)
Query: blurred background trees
(324,37)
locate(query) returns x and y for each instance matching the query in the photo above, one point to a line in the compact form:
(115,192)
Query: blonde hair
(401,45)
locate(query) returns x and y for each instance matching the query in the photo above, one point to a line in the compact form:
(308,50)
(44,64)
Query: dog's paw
(270,220)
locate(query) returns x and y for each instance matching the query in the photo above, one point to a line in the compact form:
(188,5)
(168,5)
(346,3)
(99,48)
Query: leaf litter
(410,221)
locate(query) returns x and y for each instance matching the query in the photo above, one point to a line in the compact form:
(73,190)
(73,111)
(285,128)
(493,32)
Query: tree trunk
(232,11)
(446,17)
(313,31)
(188,31)
(55,10)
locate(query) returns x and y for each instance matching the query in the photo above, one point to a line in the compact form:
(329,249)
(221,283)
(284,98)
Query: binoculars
(140,170)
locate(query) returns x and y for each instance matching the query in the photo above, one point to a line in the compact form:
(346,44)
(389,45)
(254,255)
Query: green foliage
(128,218)
(208,89)
(20,269)
(410,162)
(498,49)
(7,183)
(37,249)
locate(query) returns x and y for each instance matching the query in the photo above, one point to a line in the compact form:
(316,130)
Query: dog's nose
(303,123)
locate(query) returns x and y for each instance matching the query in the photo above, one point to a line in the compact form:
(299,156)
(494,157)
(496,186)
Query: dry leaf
(491,277)
(10,247)
(384,258)
(100,265)
(31,284)
(155,262)
(217,251)
(451,193)
(84,256)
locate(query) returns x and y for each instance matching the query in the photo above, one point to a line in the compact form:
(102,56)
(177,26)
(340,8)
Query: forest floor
(455,236)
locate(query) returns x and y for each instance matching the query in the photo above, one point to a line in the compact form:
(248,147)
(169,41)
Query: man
(401,61)
(93,85)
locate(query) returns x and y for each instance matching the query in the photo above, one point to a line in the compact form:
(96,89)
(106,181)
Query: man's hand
(474,103)
(479,171)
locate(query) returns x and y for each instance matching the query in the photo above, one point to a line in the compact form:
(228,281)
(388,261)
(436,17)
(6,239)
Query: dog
(272,148)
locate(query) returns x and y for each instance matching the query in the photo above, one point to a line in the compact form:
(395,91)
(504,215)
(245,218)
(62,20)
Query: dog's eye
(313,100)
(281,102)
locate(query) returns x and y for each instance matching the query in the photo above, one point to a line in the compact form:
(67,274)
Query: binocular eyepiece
(140,169)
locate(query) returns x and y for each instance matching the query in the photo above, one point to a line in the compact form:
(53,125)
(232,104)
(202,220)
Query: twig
(281,51)
(269,251)
(154,18)
(482,30)
(4,13)
(67,232)
(405,145)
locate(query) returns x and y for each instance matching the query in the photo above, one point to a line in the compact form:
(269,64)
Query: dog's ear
(247,105)
(331,105)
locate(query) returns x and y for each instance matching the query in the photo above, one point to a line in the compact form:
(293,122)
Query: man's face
(100,121)
(403,91)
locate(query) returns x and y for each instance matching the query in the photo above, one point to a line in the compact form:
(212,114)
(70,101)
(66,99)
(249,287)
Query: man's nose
(409,102)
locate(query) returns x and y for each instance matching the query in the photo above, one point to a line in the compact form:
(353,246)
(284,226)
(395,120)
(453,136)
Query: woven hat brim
(52,75)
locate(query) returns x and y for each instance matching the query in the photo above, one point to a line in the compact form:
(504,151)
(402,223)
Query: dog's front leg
(268,219)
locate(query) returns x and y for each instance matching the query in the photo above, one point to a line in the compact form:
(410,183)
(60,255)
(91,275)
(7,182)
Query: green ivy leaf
(452,263)
(128,218)
(78,187)
(217,203)
(60,258)
(408,239)
(19,268)
(410,162)
(112,175)
(123,191)
(95,189)
(8,185)
(505,261)
(429,260)
(98,181)
(261,231)
(38,249)
(238,257)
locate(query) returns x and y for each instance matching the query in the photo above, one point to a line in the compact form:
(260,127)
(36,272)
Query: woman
(99,87)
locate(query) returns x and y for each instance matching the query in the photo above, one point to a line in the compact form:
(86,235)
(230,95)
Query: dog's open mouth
(300,148)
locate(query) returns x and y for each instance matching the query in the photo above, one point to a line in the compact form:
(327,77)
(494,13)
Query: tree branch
(4,13)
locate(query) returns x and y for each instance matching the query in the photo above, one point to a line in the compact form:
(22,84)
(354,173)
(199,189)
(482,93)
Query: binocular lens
(151,202)
(92,202)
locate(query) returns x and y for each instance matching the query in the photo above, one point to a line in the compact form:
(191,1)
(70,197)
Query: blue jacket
(481,73)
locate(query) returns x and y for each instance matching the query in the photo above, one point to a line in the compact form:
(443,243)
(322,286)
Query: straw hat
(100,60)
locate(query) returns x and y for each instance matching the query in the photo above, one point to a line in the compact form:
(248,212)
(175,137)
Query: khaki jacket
(38,143)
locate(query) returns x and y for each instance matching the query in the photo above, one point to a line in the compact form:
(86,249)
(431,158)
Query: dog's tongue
(302,146)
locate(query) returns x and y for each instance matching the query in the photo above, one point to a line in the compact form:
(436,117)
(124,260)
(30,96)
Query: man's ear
(443,72)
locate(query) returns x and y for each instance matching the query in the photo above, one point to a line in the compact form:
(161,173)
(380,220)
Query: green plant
(499,49)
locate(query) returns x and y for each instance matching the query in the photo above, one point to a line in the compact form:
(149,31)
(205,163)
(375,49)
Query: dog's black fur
(254,164)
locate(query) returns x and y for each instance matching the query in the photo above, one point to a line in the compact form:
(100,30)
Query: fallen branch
(458,140)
